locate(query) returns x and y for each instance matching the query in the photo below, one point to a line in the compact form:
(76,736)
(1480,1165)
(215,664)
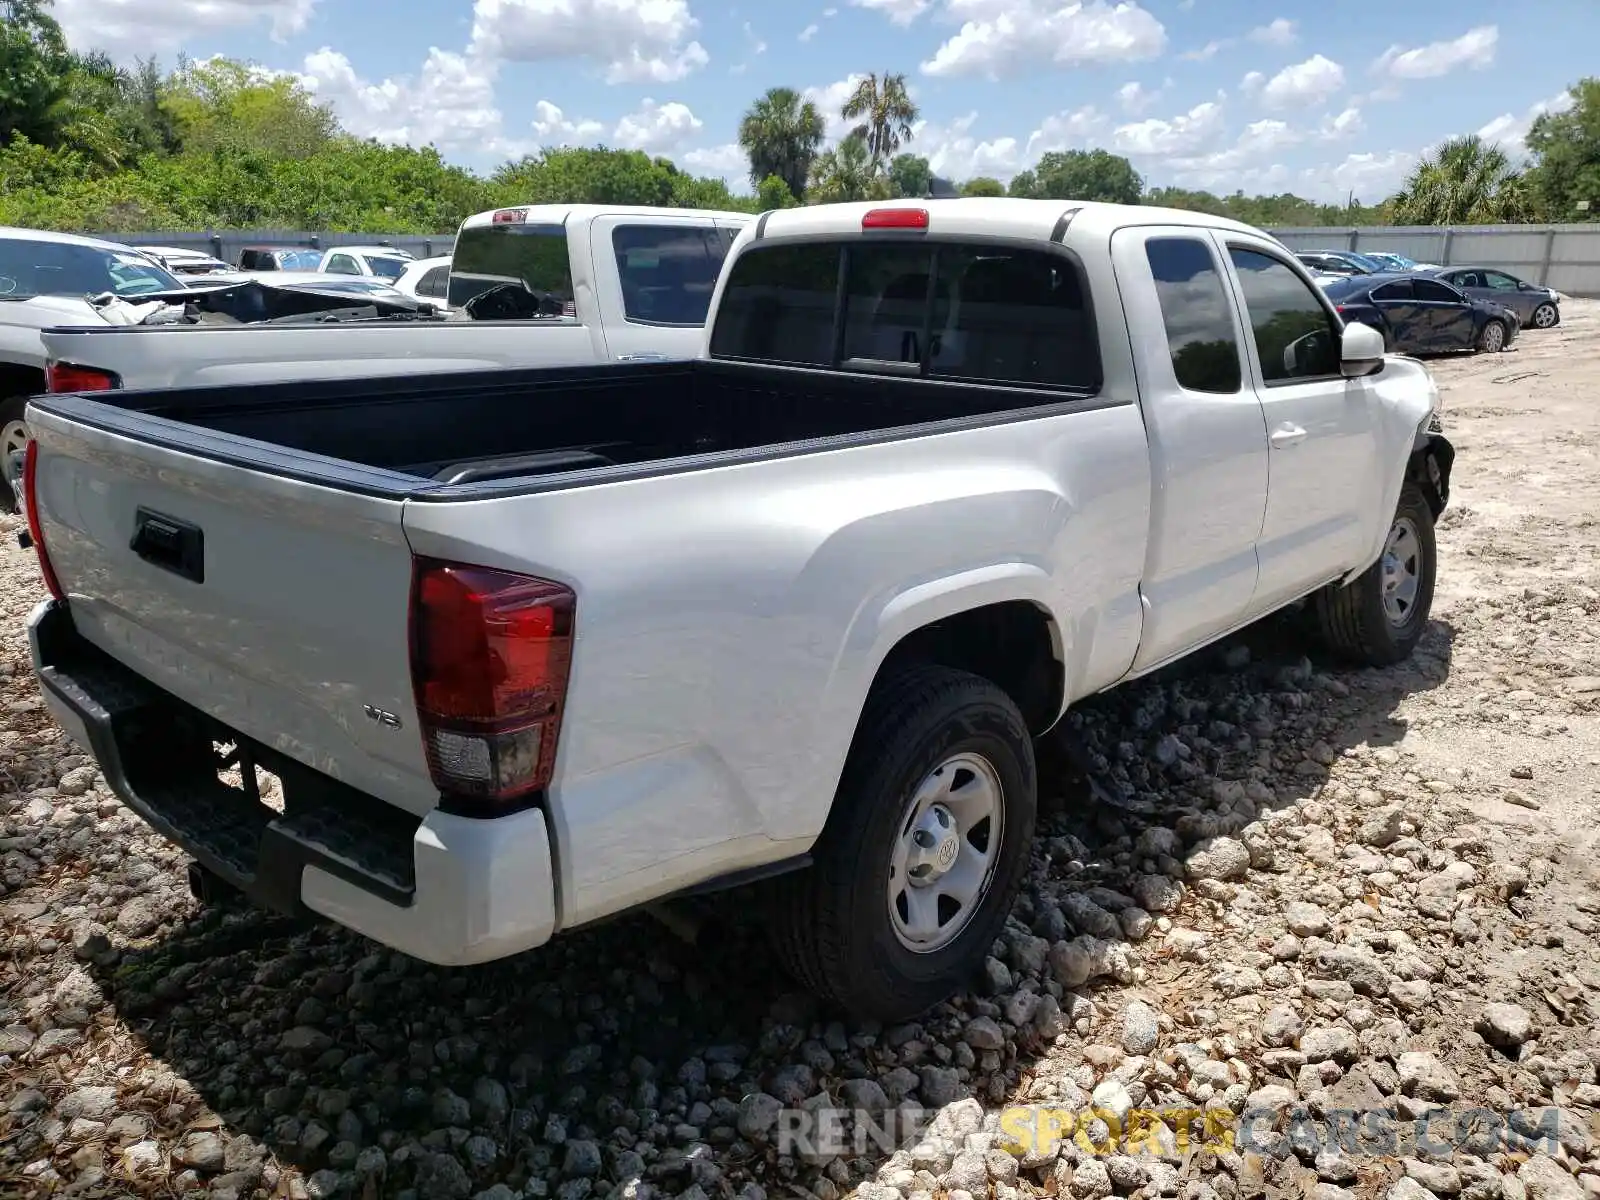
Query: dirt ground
(1320,891)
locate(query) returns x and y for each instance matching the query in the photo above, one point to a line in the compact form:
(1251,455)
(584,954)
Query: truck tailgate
(278,608)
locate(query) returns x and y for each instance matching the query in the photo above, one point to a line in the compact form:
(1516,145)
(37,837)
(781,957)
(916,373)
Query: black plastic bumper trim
(252,847)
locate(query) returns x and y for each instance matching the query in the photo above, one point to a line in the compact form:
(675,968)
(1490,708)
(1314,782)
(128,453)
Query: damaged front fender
(1429,466)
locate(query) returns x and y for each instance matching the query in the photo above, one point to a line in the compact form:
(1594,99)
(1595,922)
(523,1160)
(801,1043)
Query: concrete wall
(1564,257)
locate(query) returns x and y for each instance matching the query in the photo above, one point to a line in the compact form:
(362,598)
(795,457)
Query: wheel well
(1013,644)
(17,380)
(1429,468)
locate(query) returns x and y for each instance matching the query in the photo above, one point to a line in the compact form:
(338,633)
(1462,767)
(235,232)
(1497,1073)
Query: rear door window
(1197,315)
(1438,293)
(435,283)
(512,272)
(667,271)
(950,310)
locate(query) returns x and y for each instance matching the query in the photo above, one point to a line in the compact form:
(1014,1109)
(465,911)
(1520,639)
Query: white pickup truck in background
(542,285)
(529,648)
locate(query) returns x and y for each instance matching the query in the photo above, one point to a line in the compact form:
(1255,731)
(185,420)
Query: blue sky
(1320,99)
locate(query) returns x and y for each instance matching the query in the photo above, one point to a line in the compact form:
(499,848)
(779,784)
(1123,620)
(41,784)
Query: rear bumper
(446,889)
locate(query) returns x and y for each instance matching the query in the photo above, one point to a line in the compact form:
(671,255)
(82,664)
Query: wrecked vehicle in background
(58,280)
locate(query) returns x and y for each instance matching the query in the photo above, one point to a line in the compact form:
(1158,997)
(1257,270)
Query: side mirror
(1360,351)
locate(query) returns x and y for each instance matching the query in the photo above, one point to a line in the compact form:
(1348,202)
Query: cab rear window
(977,312)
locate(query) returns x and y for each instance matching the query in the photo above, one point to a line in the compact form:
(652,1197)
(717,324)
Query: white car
(384,262)
(428,280)
(531,648)
(186,262)
(46,282)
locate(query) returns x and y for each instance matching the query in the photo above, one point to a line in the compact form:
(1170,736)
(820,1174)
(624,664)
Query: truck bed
(535,427)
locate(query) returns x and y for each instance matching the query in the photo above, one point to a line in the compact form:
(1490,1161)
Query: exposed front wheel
(1492,337)
(1378,620)
(923,852)
(1546,316)
(13,445)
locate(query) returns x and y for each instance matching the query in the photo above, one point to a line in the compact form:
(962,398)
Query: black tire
(831,923)
(1494,335)
(1551,320)
(1354,621)
(11,410)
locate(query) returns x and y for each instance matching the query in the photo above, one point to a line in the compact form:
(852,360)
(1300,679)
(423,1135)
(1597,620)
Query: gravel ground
(1300,891)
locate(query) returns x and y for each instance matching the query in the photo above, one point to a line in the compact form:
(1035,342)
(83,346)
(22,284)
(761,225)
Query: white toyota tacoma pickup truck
(524,649)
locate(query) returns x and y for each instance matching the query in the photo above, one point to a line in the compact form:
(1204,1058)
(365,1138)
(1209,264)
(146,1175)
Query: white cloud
(953,152)
(450,104)
(728,160)
(809,32)
(901,12)
(637,41)
(657,128)
(552,127)
(1186,134)
(1073,129)
(1135,98)
(1002,38)
(1304,84)
(1336,127)
(1369,177)
(1208,51)
(1280,32)
(830,99)
(1475,49)
(1252,83)
(127,29)
(1511,131)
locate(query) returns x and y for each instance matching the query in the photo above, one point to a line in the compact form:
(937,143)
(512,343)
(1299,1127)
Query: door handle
(1288,435)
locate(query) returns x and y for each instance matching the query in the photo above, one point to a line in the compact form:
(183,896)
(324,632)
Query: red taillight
(490,656)
(30,499)
(895,218)
(64,377)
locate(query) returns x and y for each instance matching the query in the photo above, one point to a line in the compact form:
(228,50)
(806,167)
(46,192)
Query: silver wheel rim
(1544,316)
(1402,572)
(945,851)
(1493,337)
(13,444)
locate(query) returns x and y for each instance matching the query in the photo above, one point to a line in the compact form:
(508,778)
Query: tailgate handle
(170,544)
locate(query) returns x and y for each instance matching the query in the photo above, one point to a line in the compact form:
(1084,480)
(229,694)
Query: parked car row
(1424,308)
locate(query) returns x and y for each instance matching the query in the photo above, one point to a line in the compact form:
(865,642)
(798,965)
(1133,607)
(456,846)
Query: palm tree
(886,114)
(1466,181)
(781,133)
(848,172)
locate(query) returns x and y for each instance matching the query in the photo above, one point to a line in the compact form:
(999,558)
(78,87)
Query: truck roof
(558,214)
(65,239)
(990,215)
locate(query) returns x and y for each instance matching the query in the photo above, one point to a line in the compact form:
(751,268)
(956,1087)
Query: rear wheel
(1492,337)
(923,852)
(1546,316)
(13,442)
(1378,620)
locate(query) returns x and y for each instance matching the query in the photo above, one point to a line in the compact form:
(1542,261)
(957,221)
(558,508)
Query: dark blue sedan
(1420,315)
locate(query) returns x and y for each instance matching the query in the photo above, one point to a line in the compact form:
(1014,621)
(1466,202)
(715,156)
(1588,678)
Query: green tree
(782,133)
(33,71)
(885,113)
(909,175)
(1466,181)
(983,186)
(847,172)
(1081,175)
(1566,156)
(774,193)
(223,104)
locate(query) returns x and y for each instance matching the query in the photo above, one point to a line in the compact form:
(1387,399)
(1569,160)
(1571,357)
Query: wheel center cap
(935,846)
(947,852)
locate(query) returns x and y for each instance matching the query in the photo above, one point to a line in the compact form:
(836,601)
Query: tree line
(88,145)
